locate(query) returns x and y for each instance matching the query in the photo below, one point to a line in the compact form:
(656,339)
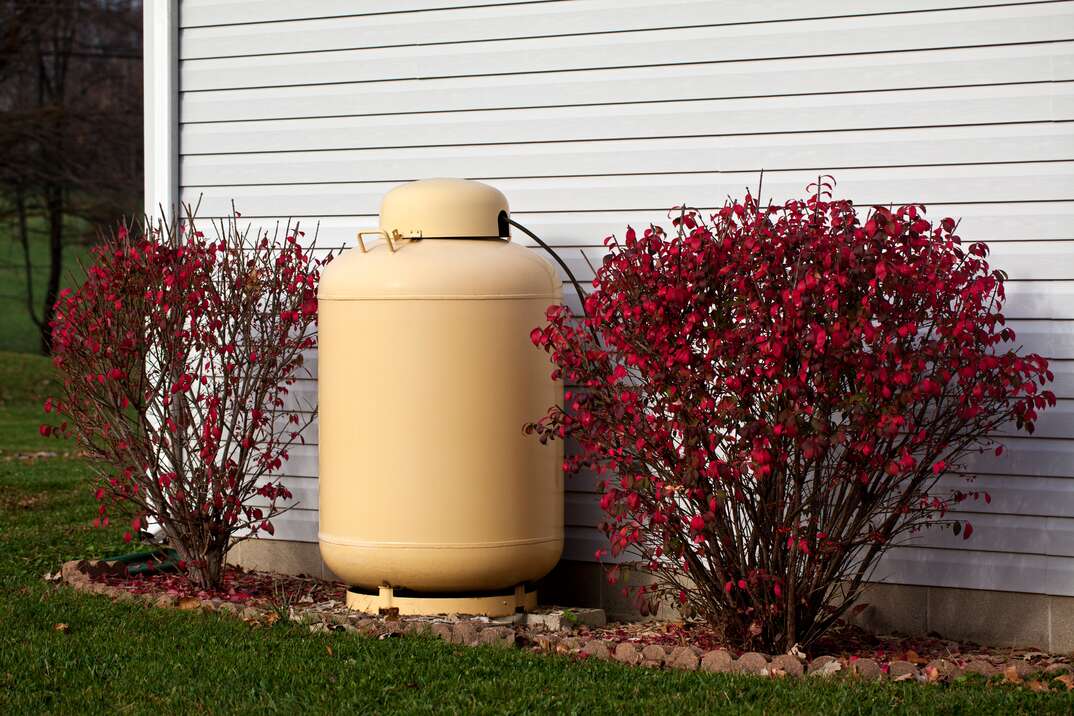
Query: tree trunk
(204,565)
(208,571)
(27,259)
(54,208)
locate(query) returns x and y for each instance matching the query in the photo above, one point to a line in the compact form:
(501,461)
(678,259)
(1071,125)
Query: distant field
(17,332)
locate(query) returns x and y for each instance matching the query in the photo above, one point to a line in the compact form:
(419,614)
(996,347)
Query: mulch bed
(263,598)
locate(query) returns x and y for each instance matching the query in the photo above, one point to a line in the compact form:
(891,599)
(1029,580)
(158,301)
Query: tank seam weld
(446,297)
(429,545)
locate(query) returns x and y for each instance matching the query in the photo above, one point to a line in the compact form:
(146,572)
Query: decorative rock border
(570,638)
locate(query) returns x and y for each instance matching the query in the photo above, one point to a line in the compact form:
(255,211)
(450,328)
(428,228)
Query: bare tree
(70,125)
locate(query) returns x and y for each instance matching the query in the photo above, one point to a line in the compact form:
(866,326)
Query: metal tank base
(485,604)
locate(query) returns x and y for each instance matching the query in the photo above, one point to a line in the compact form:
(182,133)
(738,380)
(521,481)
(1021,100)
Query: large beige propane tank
(431,497)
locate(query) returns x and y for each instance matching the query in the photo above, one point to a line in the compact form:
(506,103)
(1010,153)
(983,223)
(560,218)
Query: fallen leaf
(189,603)
(328,648)
(1035,685)
(914,658)
(272,618)
(61,627)
(1010,675)
(932,674)
(1066,680)
(903,677)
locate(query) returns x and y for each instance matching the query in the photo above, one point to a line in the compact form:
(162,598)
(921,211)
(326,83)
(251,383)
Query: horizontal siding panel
(582,544)
(1022,142)
(195,13)
(795,76)
(296,526)
(1040,300)
(1026,300)
(1015,495)
(990,222)
(1056,422)
(1022,457)
(581,509)
(1063,385)
(774,115)
(885,33)
(1036,457)
(1032,182)
(468,24)
(978,570)
(1045,260)
(1034,268)
(1017,534)
(1051,339)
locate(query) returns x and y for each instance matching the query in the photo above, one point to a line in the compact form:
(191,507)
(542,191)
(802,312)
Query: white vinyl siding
(592,114)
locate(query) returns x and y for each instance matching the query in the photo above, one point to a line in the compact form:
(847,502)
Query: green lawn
(131,659)
(17,331)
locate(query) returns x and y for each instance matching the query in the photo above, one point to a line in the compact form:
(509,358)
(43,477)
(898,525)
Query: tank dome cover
(445,209)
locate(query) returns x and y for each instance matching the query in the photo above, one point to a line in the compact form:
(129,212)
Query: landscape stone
(566,619)
(717,661)
(750,663)
(417,627)
(945,669)
(627,653)
(683,657)
(464,633)
(597,649)
(980,666)
(1022,667)
(571,643)
(788,664)
(497,636)
(866,669)
(825,666)
(902,670)
(441,630)
(653,655)
(544,642)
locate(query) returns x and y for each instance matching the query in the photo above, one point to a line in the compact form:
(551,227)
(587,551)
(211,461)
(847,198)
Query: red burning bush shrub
(771,398)
(177,354)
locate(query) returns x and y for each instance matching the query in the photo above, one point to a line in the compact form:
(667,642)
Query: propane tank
(432,500)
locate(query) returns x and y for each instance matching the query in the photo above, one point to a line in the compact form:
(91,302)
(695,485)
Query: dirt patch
(38,455)
(22,502)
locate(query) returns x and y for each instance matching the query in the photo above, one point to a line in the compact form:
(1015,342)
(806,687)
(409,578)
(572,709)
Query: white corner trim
(160,24)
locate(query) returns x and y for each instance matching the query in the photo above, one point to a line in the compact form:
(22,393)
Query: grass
(123,658)
(17,332)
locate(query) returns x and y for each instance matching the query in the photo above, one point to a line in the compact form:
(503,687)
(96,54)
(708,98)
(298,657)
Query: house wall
(593,114)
